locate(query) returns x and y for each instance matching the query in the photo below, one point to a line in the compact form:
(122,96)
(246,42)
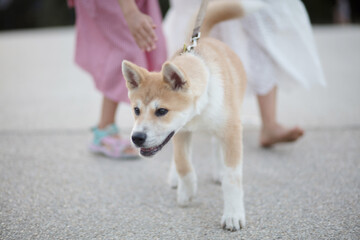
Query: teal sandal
(107,142)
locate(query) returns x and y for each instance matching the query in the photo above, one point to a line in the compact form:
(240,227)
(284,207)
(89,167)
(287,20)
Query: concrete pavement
(52,188)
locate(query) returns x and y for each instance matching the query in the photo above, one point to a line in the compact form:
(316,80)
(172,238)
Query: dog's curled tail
(219,11)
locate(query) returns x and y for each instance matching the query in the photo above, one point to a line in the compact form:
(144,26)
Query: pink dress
(104,41)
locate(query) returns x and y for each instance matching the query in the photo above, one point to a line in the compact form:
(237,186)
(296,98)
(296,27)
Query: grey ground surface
(52,188)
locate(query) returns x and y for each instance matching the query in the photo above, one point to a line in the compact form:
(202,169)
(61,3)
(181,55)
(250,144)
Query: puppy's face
(161,105)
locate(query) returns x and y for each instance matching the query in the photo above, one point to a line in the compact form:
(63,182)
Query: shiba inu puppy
(201,90)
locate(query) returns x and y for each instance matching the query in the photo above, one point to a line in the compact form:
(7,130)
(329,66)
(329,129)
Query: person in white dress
(276,46)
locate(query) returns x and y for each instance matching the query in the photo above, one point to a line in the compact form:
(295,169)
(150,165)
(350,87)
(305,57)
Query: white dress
(275,44)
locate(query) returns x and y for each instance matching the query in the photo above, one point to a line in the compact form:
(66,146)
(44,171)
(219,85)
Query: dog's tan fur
(234,85)
(202,90)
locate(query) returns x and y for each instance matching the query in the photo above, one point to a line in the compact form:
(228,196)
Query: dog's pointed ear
(174,76)
(132,74)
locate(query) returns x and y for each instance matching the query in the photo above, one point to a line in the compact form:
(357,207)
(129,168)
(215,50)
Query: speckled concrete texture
(51,187)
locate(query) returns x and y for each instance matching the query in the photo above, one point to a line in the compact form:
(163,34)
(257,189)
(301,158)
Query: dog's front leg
(234,212)
(187,184)
(218,160)
(173,176)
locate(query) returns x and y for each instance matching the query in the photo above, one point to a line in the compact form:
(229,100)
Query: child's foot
(279,134)
(116,147)
(108,142)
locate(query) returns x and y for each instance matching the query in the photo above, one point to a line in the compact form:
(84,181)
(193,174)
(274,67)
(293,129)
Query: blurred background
(19,14)
(37,69)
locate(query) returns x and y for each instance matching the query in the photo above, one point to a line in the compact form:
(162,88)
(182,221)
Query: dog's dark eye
(161,112)
(137,111)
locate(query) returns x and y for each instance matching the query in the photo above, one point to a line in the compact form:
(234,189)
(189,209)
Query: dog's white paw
(186,189)
(173,176)
(183,198)
(233,222)
(217,176)
(173,182)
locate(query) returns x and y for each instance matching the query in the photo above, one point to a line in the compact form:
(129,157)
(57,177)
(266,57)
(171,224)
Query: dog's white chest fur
(209,109)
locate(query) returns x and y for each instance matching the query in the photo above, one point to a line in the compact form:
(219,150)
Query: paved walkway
(52,188)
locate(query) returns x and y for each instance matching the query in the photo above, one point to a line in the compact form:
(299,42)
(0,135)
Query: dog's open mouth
(147,152)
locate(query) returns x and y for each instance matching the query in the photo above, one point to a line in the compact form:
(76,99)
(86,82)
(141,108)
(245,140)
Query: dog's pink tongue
(147,149)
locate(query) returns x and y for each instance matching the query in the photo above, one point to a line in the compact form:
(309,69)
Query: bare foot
(279,134)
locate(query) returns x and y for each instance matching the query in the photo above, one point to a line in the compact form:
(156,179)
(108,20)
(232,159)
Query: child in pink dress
(107,33)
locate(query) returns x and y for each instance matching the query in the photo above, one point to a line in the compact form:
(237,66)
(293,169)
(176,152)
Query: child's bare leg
(108,113)
(272,132)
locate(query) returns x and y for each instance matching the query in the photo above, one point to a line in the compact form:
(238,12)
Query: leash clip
(193,41)
(196,31)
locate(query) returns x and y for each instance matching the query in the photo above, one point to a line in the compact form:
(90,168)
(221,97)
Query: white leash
(196,32)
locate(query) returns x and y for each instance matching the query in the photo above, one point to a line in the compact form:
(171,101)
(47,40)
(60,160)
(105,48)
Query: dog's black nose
(138,138)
